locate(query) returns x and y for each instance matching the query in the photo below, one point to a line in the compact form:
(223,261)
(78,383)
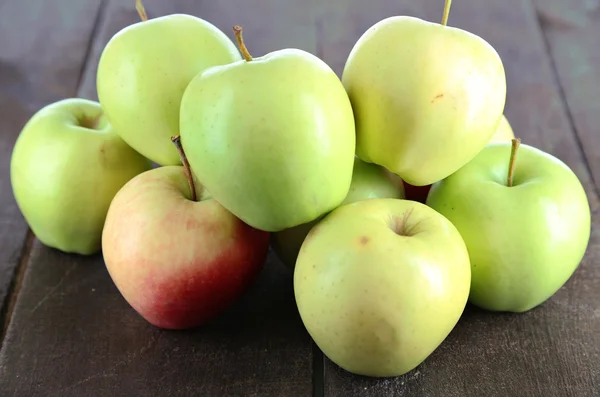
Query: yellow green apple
(272,138)
(143,72)
(526,229)
(380,284)
(427,97)
(504,132)
(66,167)
(368,181)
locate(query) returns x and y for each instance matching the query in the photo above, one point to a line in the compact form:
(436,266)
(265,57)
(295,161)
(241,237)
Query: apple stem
(237,30)
(141,10)
(186,165)
(446,12)
(513,156)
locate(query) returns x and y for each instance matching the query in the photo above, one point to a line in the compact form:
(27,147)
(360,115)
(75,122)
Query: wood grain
(553,350)
(74,335)
(572,32)
(39,64)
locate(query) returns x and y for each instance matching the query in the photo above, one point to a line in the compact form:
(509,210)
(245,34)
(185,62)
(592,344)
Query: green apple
(525,238)
(427,97)
(380,284)
(368,181)
(143,72)
(272,138)
(66,167)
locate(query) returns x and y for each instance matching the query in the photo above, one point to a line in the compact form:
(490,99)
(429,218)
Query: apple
(504,133)
(178,260)
(368,181)
(272,138)
(66,166)
(380,283)
(427,97)
(526,228)
(144,70)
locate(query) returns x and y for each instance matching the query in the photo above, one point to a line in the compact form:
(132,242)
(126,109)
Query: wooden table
(68,332)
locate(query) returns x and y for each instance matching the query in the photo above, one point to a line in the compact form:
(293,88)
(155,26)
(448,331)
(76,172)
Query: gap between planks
(98,21)
(15,285)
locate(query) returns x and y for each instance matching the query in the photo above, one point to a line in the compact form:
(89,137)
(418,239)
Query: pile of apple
(277,150)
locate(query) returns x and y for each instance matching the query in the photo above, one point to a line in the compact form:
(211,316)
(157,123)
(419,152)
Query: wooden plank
(43,46)
(554,349)
(74,335)
(572,32)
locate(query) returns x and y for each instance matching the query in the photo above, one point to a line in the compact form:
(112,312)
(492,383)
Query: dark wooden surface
(38,64)
(71,334)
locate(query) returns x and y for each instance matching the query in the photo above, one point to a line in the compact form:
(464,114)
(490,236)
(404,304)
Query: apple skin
(368,181)
(504,133)
(427,104)
(143,72)
(266,136)
(177,262)
(524,241)
(380,283)
(66,166)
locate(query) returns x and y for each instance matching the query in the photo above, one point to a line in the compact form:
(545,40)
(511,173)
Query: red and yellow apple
(178,262)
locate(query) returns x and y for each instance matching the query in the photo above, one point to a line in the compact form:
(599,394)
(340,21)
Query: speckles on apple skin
(102,155)
(437,97)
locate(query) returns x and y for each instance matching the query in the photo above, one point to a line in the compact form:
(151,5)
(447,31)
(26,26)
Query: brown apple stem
(237,30)
(446,12)
(141,10)
(513,156)
(186,165)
